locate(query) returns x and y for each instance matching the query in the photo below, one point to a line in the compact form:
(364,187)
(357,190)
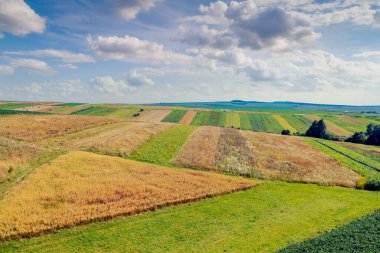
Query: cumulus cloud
(368,54)
(17,18)
(107,84)
(137,79)
(130,48)
(205,37)
(34,88)
(129,9)
(68,66)
(6,70)
(212,14)
(31,64)
(64,55)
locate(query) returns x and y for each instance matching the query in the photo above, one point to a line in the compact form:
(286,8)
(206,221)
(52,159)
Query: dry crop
(200,149)
(154,116)
(33,127)
(188,117)
(289,158)
(81,187)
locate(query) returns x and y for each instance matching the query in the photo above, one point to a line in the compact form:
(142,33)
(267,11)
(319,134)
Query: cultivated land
(48,182)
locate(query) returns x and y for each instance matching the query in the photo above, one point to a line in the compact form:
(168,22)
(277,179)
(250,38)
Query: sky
(148,51)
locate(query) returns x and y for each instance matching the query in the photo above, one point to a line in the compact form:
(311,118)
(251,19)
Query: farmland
(266,218)
(175,116)
(232,120)
(298,122)
(154,115)
(188,117)
(206,119)
(264,123)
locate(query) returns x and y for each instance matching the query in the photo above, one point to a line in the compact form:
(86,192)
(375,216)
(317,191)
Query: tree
(374,134)
(357,137)
(317,129)
(370,128)
(285,132)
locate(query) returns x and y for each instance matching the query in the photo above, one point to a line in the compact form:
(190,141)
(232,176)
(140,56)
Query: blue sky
(131,51)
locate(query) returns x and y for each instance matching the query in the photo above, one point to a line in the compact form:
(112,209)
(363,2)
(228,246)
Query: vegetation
(222,119)
(285,132)
(266,218)
(80,187)
(12,112)
(94,111)
(245,121)
(349,158)
(188,117)
(298,122)
(70,104)
(264,123)
(162,148)
(284,123)
(317,129)
(155,116)
(175,116)
(12,106)
(206,119)
(361,235)
(288,158)
(232,120)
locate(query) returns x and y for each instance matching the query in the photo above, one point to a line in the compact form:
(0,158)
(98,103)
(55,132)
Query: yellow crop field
(114,139)
(33,127)
(200,149)
(289,158)
(285,124)
(80,187)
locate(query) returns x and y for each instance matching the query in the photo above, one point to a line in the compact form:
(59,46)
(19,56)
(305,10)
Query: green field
(94,111)
(264,123)
(266,218)
(245,121)
(206,119)
(174,116)
(222,119)
(347,125)
(10,112)
(298,122)
(361,235)
(364,166)
(232,120)
(162,148)
(69,104)
(12,106)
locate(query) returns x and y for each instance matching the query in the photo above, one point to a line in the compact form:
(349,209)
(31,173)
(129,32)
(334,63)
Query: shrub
(372,185)
(357,137)
(285,132)
(317,129)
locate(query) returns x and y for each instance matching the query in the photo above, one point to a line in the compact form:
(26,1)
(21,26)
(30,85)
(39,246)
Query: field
(162,148)
(155,116)
(284,123)
(16,112)
(362,234)
(118,139)
(13,106)
(188,118)
(264,123)
(200,149)
(59,195)
(298,122)
(94,111)
(232,120)
(175,116)
(32,127)
(245,121)
(348,123)
(266,218)
(332,128)
(206,119)
(291,159)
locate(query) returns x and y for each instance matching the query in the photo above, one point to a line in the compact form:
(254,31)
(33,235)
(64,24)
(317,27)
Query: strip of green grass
(264,123)
(122,113)
(11,106)
(245,122)
(174,116)
(232,120)
(69,104)
(349,126)
(361,235)
(162,148)
(266,218)
(297,122)
(94,111)
(222,119)
(10,112)
(329,148)
(206,119)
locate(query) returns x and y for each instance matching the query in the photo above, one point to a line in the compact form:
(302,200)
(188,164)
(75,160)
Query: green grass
(12,106)
(174,116)
(245,122)
(361,235)
(222,119)
(95,111)
(232,119)
(349,126)
(162,148)
(298,122)
(347,157)
(10,112)
(69,104)
(358,148)
(122,113)
(206,119)
(264,123)
(264,219)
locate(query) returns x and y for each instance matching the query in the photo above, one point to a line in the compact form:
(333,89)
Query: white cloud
(205,37)
(64,55)
(17,18)
(68,66)
(368,54)
(34,88)
(129,9)
(130,48)
(31,64)
(6,70)
(212,14)
(108,85)
(137,79)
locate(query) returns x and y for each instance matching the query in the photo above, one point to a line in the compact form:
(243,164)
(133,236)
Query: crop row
(174,116)
(298,122)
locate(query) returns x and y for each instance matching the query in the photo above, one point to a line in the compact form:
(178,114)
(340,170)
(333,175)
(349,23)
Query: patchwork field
(298,122)
(284,123)
(174,116)
(232,120)
(188,117)
(291,159)
(155,116)
(80,187)
(264,123)
(266,218)
(206,119)
(33,127)
(14,105)
(331,127)
(162,148)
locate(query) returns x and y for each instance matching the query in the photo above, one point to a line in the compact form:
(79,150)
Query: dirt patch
(188,118)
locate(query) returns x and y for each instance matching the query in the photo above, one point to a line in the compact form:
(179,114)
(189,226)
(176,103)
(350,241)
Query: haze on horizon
(146,51)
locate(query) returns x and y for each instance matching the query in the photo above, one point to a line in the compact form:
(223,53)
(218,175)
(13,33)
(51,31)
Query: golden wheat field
(289,158)
(80,187)
(33,127)
(200,149)
(154,116)
(114,139)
